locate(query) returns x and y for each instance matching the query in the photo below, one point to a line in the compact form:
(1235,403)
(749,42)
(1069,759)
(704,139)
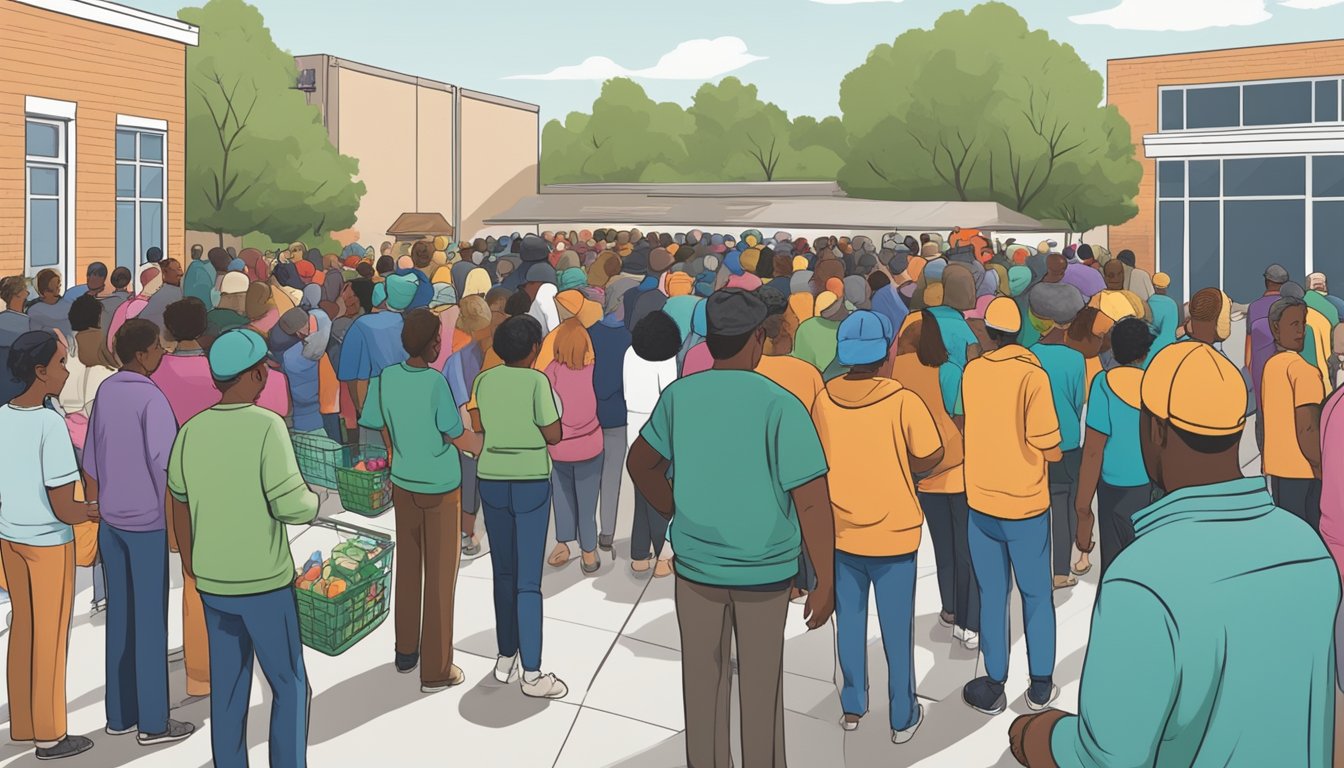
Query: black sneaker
(1041,693)
(177,731)
(605,542)
(67,747)
(407,661)
(984,695)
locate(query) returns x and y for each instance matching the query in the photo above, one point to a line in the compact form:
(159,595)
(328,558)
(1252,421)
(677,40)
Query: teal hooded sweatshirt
(1212,641)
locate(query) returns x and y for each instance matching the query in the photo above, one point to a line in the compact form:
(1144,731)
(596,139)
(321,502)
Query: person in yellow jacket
(1011,435)
(866,420)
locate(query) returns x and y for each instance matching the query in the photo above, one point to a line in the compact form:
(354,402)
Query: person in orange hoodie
(866,419)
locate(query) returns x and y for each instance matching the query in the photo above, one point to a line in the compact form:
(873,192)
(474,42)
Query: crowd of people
(791,413)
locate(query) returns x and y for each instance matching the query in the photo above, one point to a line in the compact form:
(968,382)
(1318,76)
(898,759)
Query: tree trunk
(220,233)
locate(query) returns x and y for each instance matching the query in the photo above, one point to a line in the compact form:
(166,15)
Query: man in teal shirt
(1212,639)
(748,485)
(1166,315)
(235,485)
(411,405)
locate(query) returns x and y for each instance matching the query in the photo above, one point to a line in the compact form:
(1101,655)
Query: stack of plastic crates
(365,492)
(332,625)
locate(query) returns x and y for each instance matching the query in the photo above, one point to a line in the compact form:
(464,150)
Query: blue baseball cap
(864,337)
(235,351)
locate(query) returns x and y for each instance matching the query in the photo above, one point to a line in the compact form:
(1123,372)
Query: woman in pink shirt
(184,374)
(576,474)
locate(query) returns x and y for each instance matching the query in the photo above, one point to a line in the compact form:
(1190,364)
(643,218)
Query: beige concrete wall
(435,153)
(499,151)
(377,125)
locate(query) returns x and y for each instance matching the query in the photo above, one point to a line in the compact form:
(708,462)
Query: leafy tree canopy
(258,157)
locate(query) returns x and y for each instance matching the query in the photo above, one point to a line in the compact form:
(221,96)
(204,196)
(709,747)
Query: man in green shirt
(514,410)
(235,485)
(411,405)
(747,488)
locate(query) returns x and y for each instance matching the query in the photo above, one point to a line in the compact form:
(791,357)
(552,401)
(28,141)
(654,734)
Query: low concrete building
(424,145)
(92,135)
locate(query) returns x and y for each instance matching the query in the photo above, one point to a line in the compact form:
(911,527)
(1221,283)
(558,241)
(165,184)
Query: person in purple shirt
(1259,341)
(130,437)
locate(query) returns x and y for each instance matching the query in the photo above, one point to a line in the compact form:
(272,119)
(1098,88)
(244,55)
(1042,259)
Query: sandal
(1081,571)
(593,566)
(641,566)
(559,556)
(1064,582)
(663,568)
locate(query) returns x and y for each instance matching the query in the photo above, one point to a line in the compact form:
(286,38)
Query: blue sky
(796,51)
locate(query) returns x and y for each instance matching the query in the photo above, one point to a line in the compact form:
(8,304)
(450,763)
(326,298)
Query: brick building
(1243,155)
(92,135)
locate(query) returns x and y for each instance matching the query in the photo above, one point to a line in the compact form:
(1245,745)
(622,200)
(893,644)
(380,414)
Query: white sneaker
(546,686)
(970,640)
(958,633)
(900,737)
(506,669)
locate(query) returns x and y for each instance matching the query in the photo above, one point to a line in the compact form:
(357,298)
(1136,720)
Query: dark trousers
(331,424)
(265,626)
(517,516)
(1063,518)
(948,517)
(649,530)
(1301,496)
(1116,506)
(136,566)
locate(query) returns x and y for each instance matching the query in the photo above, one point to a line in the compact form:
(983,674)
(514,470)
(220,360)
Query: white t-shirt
(35,455)
(644,384)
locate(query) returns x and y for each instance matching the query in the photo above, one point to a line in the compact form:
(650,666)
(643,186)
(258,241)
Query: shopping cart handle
(341,527)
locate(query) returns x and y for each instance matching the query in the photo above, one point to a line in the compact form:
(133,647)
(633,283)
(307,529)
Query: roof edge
(122,17)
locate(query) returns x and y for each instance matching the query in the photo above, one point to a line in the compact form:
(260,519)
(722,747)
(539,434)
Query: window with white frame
(141,215)
(45,193)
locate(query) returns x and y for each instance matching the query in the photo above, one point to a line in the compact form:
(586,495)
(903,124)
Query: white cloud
(692,60)
(1184,16)
(1309,5)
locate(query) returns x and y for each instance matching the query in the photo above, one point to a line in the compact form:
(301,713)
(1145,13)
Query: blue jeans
(136,566)
(577,485)
(893,581)
(516,519)
(1023,545)
(266,625)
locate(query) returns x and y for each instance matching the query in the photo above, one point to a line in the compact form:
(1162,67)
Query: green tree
(982,108)
(727,134)
(626,133)
(258,157)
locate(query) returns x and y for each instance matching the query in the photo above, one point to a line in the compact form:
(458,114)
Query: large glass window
(1277,103)
(1203,245)
(1250,105)
(45,197)
(1213,107)
(1171,245)
(1264,176)
(1171,178)
(1256,232)
(140,194)
(1327,176)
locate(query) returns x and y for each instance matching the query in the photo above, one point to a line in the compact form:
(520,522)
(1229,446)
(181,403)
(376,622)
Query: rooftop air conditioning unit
(307,81)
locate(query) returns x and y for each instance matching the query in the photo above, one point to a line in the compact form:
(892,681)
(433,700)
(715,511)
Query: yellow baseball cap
(1161,280)
(1002,314)
(825,300)
(933,295)
(1191,385)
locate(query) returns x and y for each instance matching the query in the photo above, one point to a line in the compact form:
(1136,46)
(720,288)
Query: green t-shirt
(234,465)
(514,404)
(738,443)
(416,406)
(815,342)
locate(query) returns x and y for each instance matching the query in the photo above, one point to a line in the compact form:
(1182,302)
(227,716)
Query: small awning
(785,212)
(416,226)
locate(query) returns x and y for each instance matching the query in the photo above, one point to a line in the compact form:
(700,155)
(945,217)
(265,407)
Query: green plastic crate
(319,457)
(363,492)
(333,625)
